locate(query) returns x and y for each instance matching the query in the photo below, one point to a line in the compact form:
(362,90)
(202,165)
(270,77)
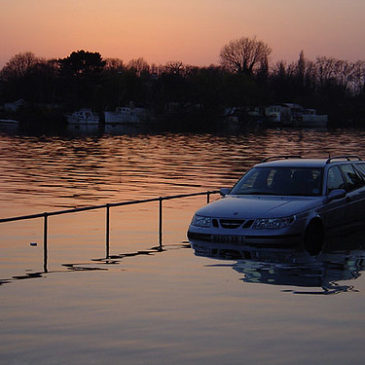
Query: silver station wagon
(287,200)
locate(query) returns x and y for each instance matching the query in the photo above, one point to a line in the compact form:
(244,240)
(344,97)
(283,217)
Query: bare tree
(19,65)
(301,65)
(310,74)
(327,69)
(175,67)
(139,66)
(358,76)
(244,55)
(343,73)
(114,64)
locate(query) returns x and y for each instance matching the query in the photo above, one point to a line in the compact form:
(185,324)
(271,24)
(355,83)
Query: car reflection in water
(342,259)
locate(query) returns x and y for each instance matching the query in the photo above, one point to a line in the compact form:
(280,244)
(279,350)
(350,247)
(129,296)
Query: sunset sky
(191,31)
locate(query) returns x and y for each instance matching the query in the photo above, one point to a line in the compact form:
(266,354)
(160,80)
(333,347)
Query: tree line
(244,78)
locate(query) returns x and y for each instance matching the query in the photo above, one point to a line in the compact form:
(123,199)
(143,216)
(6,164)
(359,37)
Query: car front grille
(233,223)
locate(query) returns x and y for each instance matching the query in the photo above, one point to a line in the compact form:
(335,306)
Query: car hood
(250,207)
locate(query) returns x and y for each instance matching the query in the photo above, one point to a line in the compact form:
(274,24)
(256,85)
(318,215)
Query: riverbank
(43,119)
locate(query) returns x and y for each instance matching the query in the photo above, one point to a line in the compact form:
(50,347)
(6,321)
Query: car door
(360,168)
(355,197)
(334,210)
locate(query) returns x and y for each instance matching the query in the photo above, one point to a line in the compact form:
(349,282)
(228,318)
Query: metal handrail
(92,207)
(45,215)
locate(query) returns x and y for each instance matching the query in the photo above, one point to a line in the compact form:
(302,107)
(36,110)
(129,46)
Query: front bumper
(257,238)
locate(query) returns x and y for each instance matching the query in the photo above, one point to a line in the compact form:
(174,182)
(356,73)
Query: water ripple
(53,171)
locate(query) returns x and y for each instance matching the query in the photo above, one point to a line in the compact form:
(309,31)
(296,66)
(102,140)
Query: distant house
(126,115)
(291,114)
(278,114)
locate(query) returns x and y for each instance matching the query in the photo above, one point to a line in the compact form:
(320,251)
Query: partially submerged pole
(45,242)
(107,229)
(160,223)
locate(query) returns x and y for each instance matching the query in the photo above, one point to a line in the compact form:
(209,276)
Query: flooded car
(287,200)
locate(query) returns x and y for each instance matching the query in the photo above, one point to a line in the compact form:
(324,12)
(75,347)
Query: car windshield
(297,181)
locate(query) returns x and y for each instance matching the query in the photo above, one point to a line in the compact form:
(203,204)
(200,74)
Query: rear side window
(335,179)
(352,179)
(361,168)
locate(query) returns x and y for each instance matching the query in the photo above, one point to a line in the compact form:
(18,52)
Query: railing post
(45,243)
(160,223)
(107,229)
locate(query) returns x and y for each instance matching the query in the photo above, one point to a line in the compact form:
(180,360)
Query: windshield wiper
(257,193)
(300,194)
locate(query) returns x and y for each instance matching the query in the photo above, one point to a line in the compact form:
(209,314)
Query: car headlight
(200,221)
(273,223)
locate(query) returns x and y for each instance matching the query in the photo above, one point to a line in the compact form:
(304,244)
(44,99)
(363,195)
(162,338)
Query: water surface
(208,303)
(48,172)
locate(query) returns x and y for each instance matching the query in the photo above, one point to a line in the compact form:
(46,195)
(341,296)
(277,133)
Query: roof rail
(282,157)
(344,157)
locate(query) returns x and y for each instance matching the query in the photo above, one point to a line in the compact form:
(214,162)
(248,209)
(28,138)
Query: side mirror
(336,194)
(224,191)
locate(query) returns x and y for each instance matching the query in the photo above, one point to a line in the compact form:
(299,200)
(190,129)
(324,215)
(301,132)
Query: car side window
(352,179)
(360,167)
(334,179)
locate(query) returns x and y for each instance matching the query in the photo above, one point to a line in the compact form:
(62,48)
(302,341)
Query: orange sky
(191,31)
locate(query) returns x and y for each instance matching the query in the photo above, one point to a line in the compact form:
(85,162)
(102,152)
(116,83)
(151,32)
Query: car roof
(304,162)
(294,162)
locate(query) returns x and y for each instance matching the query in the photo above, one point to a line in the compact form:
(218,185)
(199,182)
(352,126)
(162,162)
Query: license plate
(228,238)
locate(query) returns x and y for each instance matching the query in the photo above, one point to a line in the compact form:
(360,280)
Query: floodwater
(205,304)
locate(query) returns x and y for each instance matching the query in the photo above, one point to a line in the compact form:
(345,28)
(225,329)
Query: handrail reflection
(292,267)
(96,264)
